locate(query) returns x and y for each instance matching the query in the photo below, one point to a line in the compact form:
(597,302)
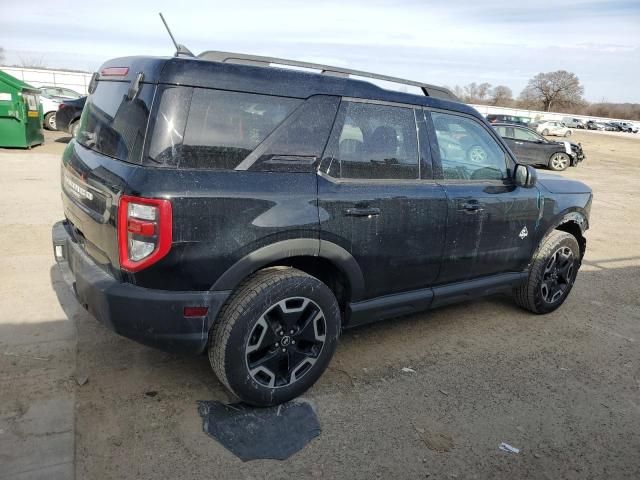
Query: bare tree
(471,92)
(458,91)
(501,96)
(483,92)
(33,62)
(551,89)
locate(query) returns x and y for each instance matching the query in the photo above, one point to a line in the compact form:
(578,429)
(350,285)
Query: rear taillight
(144,231)
(61,106)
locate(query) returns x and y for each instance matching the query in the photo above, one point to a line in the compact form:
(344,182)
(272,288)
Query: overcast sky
(442,42)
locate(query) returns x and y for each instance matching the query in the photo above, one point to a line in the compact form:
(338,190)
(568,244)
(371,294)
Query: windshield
(113,125)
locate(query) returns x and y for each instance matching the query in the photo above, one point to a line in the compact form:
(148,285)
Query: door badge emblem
(523,233)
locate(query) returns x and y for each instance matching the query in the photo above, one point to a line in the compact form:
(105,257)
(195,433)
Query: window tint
(467,151)
(522,134)
(168,124)
(224,127)
(373,141)
(505,132)
(112,124)
(298,142)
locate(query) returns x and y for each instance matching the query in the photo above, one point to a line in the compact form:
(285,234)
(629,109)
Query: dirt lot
(563,387)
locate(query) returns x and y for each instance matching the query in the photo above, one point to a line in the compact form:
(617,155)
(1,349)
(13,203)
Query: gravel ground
(564,388)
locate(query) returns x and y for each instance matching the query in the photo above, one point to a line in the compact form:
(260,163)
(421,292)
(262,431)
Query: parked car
(59,93)
(573,122)
(553,127)
(513,119)
(531,148)
(68,116)
(628,127)
(593,125)
(611,127)
(623,127)
(256,222)
(49,109)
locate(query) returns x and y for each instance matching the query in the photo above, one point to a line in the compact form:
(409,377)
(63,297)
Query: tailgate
(91,184)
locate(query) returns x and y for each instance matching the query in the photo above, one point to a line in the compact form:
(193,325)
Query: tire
(73,128)
(567,133)
(538,294)
(247,348)
(559,161)
(545,132)
(50,121)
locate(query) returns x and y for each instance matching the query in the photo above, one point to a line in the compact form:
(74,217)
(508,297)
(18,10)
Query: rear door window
(114,125)
(371,141)
(223,127)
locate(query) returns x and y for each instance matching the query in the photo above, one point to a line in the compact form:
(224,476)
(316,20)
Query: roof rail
(261,61)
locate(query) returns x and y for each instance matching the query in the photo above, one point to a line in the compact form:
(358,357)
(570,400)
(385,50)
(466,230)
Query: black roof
(196,72)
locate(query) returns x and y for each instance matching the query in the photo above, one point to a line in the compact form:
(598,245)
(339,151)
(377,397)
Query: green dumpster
(20,113)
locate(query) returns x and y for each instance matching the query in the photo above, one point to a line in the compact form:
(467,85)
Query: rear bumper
(151,317)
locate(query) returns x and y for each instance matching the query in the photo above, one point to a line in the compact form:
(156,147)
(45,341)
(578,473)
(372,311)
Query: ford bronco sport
(220,204)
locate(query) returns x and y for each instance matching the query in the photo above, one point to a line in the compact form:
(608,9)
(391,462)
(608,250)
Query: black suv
(222,204)
(531,148)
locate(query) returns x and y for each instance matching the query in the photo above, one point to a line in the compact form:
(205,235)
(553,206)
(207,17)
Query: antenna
(180,49)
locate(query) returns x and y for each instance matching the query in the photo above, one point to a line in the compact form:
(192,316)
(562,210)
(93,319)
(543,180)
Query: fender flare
(574,216)
(295,247)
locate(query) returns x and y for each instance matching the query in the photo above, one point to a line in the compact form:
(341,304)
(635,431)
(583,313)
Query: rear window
(113,125)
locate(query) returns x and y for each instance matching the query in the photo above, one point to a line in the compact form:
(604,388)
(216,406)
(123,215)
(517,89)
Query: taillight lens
(114,72)
(144,231)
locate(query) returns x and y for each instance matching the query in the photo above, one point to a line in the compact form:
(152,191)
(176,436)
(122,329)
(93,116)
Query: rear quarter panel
(220,217)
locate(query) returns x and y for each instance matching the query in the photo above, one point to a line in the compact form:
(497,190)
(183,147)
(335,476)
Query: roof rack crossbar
(262,61)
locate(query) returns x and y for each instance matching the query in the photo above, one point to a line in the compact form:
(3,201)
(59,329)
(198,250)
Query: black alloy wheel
(285,342)
(558,275)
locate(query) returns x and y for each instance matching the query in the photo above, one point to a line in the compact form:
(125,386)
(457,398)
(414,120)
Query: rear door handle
(362,212)
(471,206)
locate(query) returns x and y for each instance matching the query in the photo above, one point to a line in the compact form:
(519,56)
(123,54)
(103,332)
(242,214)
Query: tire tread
(248,290)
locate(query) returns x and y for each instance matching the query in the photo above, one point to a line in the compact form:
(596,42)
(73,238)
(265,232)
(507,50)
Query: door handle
(518,143)
(362,212)
(471,206)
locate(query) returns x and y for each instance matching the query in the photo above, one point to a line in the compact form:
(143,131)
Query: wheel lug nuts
(284,349)
(290,332)
(281,333)
(293,342)
(277,344)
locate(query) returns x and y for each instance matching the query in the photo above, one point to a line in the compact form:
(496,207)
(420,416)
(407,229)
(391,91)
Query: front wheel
(552,275)
(477,154)
(559,161)
(275,336)
(545,132)
(567,133)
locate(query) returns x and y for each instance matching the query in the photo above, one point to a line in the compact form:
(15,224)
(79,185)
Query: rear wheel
(545,132)
(50,121)
(552,275)
(559,161)
(275,336)
(567,133)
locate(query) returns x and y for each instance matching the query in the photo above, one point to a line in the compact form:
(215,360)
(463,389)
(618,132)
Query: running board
(415,301)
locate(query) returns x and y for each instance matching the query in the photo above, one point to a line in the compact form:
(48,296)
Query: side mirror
(525,176)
